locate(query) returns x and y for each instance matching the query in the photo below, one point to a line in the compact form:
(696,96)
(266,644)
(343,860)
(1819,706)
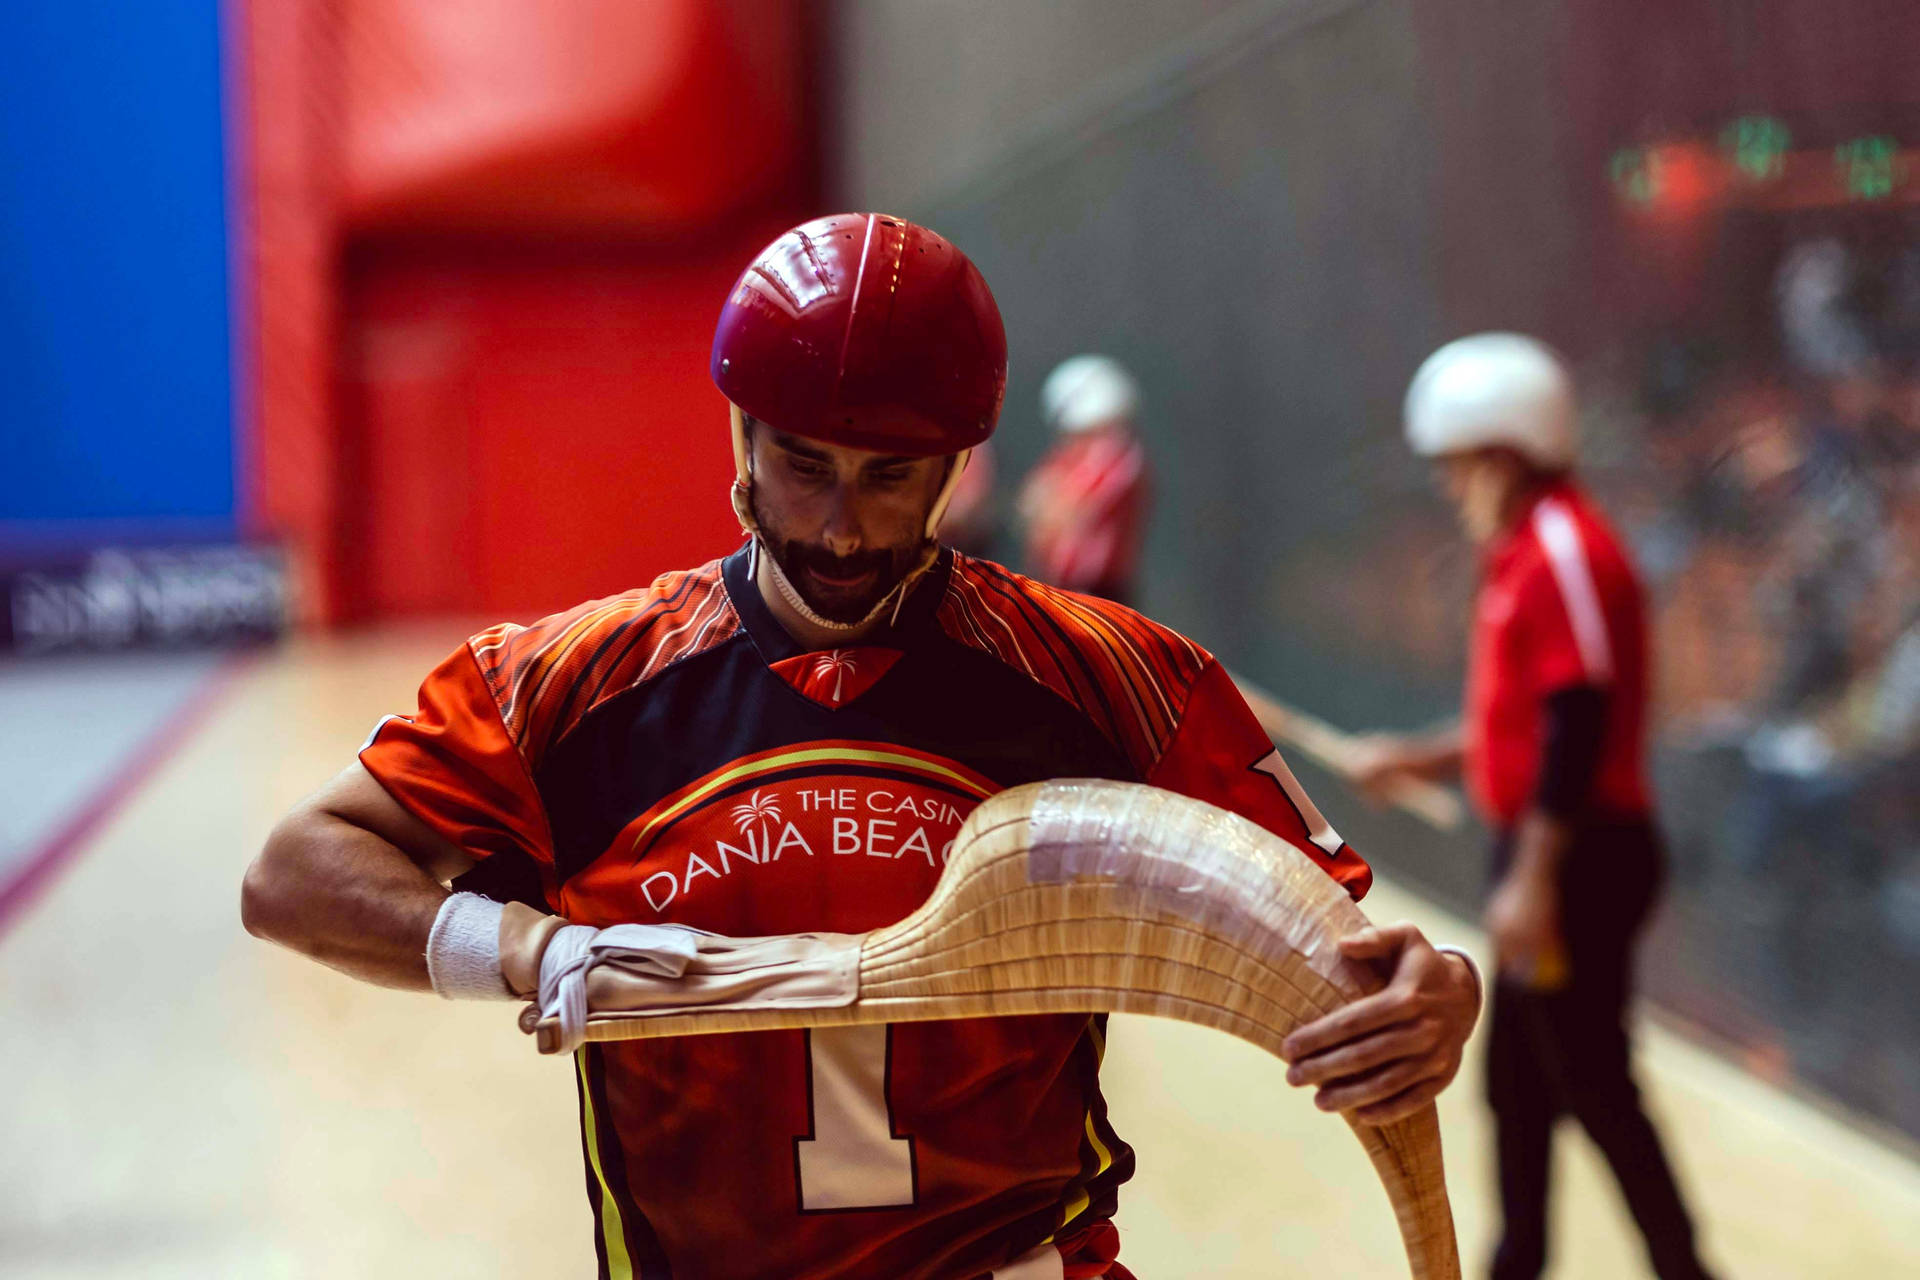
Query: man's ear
(745,441)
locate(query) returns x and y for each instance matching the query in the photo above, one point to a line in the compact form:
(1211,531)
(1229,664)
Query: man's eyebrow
(798,445)
(801,447)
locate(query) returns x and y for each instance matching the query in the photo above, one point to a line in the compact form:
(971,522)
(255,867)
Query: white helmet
(1494,389)
(1086,391)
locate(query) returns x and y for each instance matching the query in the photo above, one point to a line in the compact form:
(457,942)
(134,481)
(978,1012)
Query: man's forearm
(345,897)
(1523,915)
(1436,755)
(1539,845)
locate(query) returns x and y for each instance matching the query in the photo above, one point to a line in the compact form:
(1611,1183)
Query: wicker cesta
(1073,896)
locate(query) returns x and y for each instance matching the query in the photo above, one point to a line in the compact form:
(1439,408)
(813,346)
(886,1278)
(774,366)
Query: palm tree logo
(836,663)
(759,808)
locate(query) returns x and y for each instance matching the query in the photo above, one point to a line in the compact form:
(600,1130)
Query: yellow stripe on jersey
(806,755)
(1078,1205)
(613,1231)
(1100,1148)
(1075,1207)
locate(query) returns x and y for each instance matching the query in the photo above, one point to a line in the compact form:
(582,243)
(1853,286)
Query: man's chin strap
(791,594)
(741,497)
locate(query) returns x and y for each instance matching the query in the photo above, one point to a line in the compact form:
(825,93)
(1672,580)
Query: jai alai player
(1084,503)
(1552,744)
(786,739)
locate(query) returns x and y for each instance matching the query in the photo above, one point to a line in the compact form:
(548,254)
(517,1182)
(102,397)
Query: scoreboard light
(1870,167)
(1635,173)
(1757,146)
(1668,179)
(1756,165)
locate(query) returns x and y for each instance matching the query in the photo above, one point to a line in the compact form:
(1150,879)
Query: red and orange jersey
(672,755)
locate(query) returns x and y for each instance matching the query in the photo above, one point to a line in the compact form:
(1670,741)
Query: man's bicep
(356,797)
(456,767)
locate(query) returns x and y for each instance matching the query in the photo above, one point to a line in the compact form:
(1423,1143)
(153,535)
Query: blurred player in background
(1552,747)
(786,740)
(1085,504)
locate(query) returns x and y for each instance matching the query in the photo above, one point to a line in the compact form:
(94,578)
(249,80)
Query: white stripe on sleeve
(384,722)
(1560,537)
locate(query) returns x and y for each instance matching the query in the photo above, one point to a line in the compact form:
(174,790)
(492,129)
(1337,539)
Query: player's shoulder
(545,676)
(1572,558)
(1568,529)
(1129,674)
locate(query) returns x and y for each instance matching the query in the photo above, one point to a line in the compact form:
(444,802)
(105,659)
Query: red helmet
(866,331)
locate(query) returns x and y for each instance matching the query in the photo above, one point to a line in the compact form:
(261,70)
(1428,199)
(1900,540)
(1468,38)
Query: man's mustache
(822,561)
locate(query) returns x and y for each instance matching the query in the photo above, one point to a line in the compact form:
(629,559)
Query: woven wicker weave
(1110,897)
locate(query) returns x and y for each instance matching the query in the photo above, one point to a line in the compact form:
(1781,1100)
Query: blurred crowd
(1775,506)
(1774,501)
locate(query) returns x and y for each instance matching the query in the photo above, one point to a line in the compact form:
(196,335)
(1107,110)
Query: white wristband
(1479,983)
(463,950)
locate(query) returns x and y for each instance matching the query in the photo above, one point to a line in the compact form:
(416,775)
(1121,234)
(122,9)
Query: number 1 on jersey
(852,1160)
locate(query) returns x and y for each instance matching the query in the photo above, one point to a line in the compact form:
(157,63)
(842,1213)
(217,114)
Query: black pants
(1565,1052)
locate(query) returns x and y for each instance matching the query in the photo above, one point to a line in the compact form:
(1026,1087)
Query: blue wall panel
(115,359)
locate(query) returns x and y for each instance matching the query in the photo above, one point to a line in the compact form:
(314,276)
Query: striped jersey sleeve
(464,762)
(1129,675)
(1164,701)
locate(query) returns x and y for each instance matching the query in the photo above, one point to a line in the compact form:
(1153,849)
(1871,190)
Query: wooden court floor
(181,1100)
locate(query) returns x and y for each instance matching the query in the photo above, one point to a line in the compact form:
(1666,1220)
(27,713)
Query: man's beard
(887,565)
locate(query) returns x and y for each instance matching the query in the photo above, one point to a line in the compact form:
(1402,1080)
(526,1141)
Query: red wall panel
(601,113)
(534,433)
(489,244)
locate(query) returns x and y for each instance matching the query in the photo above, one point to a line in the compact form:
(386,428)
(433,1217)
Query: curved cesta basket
(1104,897)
